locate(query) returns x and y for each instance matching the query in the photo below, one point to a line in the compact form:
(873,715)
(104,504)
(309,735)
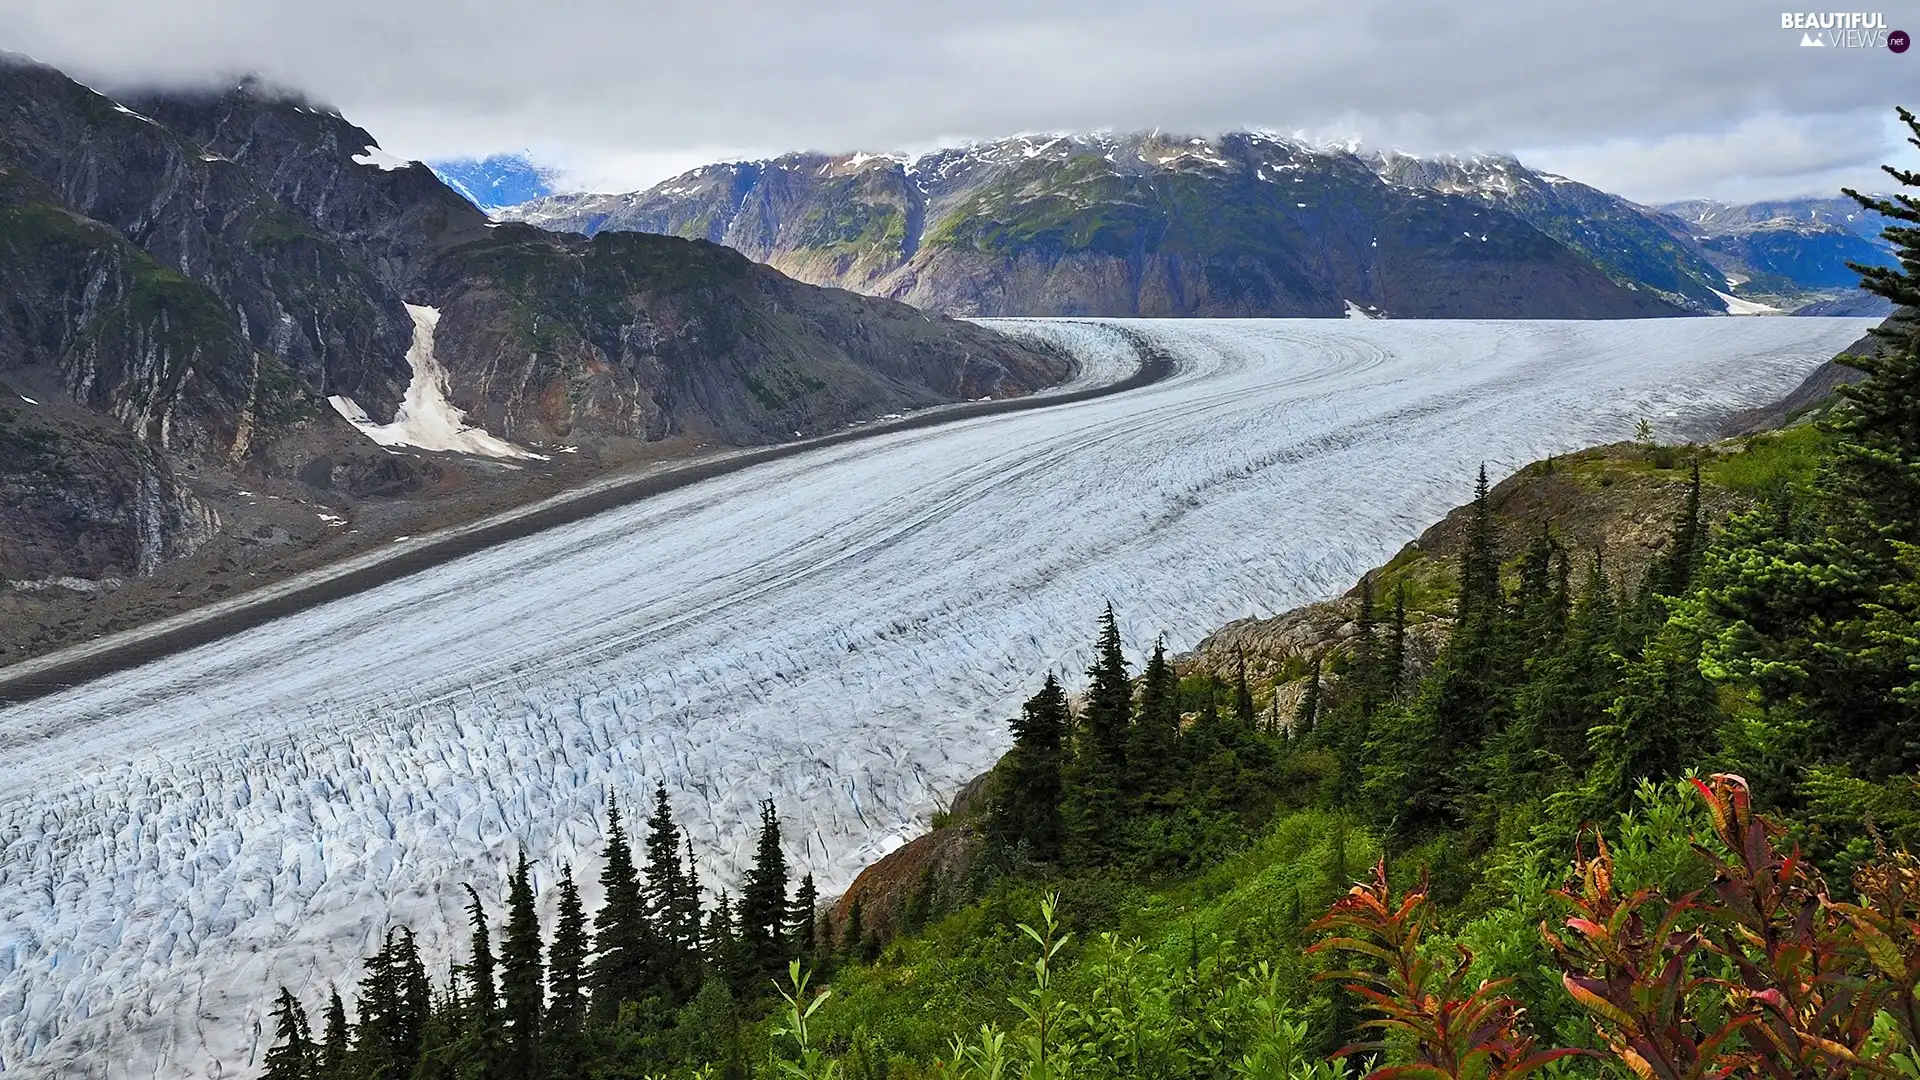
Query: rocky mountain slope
(1794,252)
(200,287)
(1247,224)
(1151,225)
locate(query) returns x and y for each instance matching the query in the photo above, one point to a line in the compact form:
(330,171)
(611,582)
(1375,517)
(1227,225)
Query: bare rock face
(81,501)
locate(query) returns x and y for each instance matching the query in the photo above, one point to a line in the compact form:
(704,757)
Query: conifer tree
(292,1055)
(676,923)
(690,915)
(1664,720)
(1393,670)
(1152,741)
(483,1035)
(1479,560)
(763,909)
(1363,670)
(334,1043)
(853,937)
(1109,699)
(1821,618)
(720,932)
(803,921)
(566,966)
(393,1010)
(1308,711)
(1094,808)
(1686,544)
(523,977)
(623,937)
(1026,809)
(1242,693)
(416,995)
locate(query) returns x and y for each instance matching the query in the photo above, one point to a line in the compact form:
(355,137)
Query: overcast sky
(1655,100)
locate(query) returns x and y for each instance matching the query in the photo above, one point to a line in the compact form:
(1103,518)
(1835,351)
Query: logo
(1844,30)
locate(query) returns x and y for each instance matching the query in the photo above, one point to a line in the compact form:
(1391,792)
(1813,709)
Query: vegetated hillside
(201,271)
(1151,225)
(1515,725)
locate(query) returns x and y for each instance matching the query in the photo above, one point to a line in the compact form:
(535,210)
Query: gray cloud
(1656,100)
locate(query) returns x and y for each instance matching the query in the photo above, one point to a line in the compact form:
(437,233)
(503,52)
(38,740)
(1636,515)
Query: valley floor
(844,630)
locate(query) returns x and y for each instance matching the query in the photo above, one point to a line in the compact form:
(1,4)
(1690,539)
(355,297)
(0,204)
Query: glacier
(844,631)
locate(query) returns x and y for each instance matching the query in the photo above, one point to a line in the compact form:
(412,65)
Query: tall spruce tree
(676,923)
(1095,807)
(292,1055)
(335,1040)
(624,960)
(763,905)
(1479,559)
(719,935)
(853,937)
(1687,543)
(1393,669)
(483,1036)
(1363,668)
(1242,692)
(566,967)
(523,978)
(393,1011)
(803,921)
(1026,809)
(1822,622)
(1152,741)
(1307,713)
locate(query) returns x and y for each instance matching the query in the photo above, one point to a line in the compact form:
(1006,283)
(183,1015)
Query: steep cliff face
(393,216)
(201,272)
(84,502)
(1245,225)
(286,287)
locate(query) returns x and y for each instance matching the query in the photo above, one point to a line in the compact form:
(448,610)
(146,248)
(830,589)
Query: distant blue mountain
(496,182)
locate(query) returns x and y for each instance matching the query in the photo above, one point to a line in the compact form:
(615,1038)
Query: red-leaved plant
(1458,1034)
(1760,974)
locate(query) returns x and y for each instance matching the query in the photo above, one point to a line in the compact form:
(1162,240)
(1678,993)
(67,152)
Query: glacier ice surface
(844,631)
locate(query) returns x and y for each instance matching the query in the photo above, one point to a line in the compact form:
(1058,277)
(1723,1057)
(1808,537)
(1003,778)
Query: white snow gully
(425,419)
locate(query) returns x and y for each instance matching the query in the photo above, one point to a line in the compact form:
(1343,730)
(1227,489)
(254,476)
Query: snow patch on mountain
(1737,306)
(380,159)
(425,419)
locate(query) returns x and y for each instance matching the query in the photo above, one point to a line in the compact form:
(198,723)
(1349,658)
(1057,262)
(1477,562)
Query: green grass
(961,971)
(1783,457)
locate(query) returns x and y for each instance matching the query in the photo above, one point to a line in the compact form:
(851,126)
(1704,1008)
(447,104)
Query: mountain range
(207,295)
(1247,224)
